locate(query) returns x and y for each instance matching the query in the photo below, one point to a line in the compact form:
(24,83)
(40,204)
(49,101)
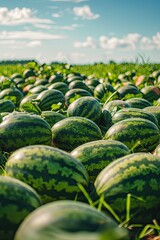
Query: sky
(80,31)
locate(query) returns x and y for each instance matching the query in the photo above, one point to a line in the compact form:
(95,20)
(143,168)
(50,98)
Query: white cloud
(68,28)
(18,16)
(33,35)
(90,42)
(131,41)
(57,15)
(34,44)
(127,42)
(85,12)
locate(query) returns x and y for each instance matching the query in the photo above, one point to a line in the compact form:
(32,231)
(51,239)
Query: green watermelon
(151,92)
(87,107)
(22,129)
(96,155)
(138,102)
(75,93)
(48,98)
(7,105)
(53,173)
(155,110)
(17,200)
(52,117)
(69,220)
(13,94)
(138,134)
(61,86)
(126,113)
(137,174)
(115,105)
(71,132)
(128,91)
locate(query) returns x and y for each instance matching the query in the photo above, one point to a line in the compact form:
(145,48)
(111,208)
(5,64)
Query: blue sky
(80,31)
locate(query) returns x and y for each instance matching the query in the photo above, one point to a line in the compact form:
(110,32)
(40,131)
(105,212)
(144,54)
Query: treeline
(13,62)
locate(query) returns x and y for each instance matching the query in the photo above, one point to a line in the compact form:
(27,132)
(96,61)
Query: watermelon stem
(86,194)
(110,97)
(110,209)
(149,229)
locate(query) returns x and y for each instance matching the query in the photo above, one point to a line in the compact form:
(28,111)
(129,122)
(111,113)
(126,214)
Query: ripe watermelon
(96,155)
(22,129)
(87,107)
(69,220)
(138,102)
(49,97)
(139,175)
(126,113)
(137,133)
(71,132)
(53,173)
(17,200)
(6,105)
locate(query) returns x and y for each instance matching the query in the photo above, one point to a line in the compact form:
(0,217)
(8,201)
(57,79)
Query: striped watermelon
(128,91)
(13,94)
(17,200)
(115,105)
(155,110)
(75,93)
(104,90)
(61,86)
(87,107)
(21,129)
(69,220)
(96,155)
(7,105)
(71,132)
(53,173)
(151,92)
(52,117)
(138,102)
(126,113)
(139,175)
(50,97)
(137,133)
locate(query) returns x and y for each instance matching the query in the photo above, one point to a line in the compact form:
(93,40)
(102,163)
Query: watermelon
(133,112)
(61,86)
(104,90)
(17,200)
(138,134)
(71,132)
(155,110)
(66,220)
(151,92)
(87,107)
(137,174)
(52,117)
(6,105)
(96,155)
(52,172)
(37,89)
(128,91)
(115,105)
(75,93)
(22,129)
(13,94)
(138,102)
(47,98)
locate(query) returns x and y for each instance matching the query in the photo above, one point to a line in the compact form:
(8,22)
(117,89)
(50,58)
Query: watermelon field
(80,151)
